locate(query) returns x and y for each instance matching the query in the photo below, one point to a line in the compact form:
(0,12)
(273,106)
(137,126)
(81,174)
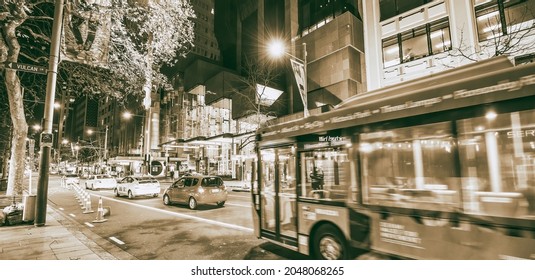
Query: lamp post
(277,49)
(46,135)
(105,155)
(145,137)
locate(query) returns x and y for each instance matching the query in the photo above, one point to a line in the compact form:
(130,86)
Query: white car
(137,186)
(70,179)
(101,181)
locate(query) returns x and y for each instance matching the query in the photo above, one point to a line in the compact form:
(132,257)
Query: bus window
(410,167)
(497,155)
(325,174)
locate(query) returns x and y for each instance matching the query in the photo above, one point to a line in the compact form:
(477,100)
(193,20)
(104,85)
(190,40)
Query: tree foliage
(144,36)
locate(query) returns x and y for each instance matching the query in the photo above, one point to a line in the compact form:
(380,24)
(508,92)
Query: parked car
(196,189)
(70,179)
(100,181)
(137,186)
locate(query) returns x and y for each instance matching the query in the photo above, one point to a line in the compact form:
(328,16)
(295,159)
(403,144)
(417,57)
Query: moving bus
(442,167)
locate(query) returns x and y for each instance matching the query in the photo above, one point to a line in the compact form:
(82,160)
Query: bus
(442,167)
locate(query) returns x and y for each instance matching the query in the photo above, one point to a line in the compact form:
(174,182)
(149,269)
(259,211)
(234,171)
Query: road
(147,229)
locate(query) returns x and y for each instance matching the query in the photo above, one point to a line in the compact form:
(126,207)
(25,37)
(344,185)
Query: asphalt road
(147,229)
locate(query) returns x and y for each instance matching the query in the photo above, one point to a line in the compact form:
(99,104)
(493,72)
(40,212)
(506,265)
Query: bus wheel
(329,244)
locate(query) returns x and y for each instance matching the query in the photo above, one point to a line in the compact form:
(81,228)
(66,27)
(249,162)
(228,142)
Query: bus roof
(478,83)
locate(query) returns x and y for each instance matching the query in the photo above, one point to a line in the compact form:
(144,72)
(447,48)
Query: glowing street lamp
(277,49)
(90,132)
(145,149)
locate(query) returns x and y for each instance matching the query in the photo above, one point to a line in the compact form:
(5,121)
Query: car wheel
(166,200)
(329,244)
(116,191)
(130,195)
(220,203)
(86,186)
(192,203)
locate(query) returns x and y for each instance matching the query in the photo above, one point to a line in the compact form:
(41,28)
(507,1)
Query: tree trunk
(20,130)
(16,104)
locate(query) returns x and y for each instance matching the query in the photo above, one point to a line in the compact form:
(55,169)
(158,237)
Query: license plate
(215,191)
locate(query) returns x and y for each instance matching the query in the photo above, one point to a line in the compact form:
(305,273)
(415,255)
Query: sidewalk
(59,239)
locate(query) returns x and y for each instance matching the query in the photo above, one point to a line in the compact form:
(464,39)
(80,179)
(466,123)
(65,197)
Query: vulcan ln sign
(26,67)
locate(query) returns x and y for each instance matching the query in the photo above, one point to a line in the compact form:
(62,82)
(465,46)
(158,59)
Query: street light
(145,136)
(277,49)
(90,132)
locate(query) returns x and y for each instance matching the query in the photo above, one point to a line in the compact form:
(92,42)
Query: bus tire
(329,244)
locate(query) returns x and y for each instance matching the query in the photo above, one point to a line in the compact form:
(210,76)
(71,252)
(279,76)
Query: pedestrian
(317,181)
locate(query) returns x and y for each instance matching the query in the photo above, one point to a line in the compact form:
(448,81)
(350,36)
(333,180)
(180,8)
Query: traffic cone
(88,206)
(100,213)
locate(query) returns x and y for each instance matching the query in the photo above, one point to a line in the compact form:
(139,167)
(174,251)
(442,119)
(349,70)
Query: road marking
(61,208)
(239,196)
(180,215)
(240,205)
(72,215)
(114,239)
(89,224)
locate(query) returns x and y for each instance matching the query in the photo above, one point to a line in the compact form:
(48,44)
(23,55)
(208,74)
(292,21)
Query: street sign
(26,67)
(46,139)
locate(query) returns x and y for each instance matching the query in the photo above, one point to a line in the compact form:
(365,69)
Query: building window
(391,51)
(392,8)
(430,39)
(501,17)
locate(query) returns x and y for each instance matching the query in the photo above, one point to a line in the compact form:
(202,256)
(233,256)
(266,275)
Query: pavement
(61,238)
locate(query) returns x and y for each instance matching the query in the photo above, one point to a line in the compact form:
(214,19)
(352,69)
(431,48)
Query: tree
(256,106)
(159,29)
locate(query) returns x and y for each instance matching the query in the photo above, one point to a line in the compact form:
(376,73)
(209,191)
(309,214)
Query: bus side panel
(311,215)
(426,238)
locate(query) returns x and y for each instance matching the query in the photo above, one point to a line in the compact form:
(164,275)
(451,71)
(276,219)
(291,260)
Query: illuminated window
(429,39)
(501,17)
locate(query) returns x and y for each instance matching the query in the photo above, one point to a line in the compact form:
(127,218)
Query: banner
(301,79)
(86,32)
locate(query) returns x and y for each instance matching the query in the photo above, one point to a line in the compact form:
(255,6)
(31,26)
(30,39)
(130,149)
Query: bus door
(278,195)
